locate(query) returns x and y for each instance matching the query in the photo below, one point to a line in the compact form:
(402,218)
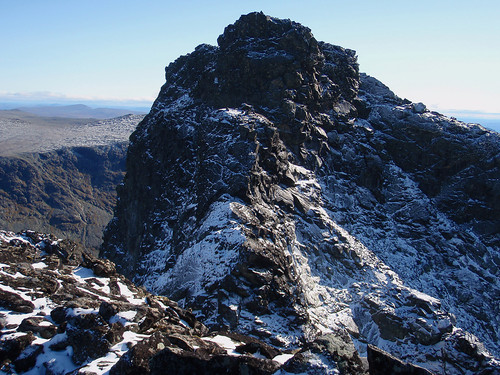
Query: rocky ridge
(63,311)
(280,193)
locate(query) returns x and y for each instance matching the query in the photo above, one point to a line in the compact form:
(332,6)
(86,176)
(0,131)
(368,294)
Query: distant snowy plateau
(58,175)
(21,132)
(280,195)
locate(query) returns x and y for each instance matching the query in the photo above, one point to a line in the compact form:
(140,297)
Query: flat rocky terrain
(22,132)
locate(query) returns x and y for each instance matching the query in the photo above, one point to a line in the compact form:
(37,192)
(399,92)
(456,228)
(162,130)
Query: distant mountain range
(79,111)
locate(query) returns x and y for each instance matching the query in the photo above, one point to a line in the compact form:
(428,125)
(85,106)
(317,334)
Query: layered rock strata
(70,192)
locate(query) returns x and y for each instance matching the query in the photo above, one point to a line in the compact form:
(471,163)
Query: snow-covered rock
(277,192)
(63,311)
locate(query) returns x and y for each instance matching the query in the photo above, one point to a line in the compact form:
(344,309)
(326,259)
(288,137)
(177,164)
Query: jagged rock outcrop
(70,192)
(278,192)
(382,363)
(74,314)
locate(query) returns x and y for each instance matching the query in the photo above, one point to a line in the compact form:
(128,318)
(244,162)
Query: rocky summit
(279,193)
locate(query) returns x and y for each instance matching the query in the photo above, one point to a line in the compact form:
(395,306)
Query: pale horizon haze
(445,54)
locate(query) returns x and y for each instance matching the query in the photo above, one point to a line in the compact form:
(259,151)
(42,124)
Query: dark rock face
(68,192)
(184,363)
(454,165)
(27,359)
(11,348)
(278,192)
(87,336)
(382,363)
(213,171)
(136,360)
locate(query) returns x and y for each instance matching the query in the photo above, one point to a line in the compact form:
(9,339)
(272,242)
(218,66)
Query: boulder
(87,336)
(382,363)
(38,325)
(27,359)
(14,302)
(327,353)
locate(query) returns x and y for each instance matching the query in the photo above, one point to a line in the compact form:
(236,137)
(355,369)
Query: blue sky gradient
(443,53)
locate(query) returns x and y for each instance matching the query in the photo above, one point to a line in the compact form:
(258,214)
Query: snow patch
(225,342)
(39,265)
(209,259)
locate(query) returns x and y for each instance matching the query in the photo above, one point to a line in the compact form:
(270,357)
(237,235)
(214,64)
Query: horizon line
(49,99)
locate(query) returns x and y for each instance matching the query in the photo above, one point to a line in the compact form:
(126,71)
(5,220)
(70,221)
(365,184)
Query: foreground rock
(382,363)
(69,312)
(280,193)
(85,318)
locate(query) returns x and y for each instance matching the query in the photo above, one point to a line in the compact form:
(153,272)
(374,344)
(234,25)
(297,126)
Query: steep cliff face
(59,175)
(276,191)
(70,192)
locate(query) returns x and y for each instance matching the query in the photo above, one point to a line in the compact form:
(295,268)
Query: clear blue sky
(443,53)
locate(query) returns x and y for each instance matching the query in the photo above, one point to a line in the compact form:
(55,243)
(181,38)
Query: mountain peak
(266,62)
(276,191)
(257,25)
